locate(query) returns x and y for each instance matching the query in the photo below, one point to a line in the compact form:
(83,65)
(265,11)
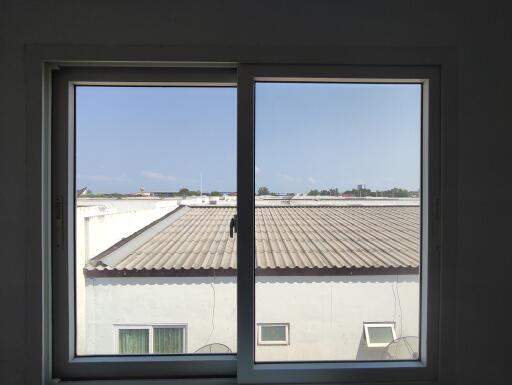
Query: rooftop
(301,240)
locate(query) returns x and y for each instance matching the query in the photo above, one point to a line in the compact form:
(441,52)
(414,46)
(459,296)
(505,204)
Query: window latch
(233,226)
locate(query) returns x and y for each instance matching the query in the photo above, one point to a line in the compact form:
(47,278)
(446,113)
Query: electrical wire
(394,299)
(212,285)
(399,305)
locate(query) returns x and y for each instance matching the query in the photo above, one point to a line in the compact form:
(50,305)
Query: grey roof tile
(286,237)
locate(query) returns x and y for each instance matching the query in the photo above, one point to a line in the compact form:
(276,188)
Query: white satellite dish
(214,348)
(404,348)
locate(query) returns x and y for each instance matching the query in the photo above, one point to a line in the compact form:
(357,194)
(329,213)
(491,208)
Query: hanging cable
(212,285)
(399,306)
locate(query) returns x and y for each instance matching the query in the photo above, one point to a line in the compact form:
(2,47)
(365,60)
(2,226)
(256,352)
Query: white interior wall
(477,33)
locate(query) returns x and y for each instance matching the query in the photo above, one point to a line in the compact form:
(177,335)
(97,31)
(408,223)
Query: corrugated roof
(286,237)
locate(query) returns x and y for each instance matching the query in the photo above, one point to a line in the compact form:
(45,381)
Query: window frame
(286,341)
(424,369)
(66,366)
(151,328)
(368,325)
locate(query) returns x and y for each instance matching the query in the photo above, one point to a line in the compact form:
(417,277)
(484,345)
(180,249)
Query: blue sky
(307,136)
(338,135)
(158,138)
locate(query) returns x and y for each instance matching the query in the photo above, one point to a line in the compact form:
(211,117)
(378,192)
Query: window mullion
(246,235)
(151,341)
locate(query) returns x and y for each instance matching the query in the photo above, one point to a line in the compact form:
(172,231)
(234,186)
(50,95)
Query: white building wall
(325,313)
(101,223)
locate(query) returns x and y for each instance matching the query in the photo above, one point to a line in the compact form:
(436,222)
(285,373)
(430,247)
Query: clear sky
(307,136)
(337,135)
(159,138)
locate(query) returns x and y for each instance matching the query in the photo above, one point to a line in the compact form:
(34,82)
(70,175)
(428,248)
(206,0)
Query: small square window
(273,334)
(379,334)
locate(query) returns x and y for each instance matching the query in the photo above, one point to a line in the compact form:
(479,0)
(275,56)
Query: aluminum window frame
(424,369)
(262,342)
(369,325)
(66,365)
(218,370)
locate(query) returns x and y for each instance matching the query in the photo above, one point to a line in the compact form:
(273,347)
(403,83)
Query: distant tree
(107,195)
(392,193)
(330,192)
(397,193)
(263,191)
(215,194)
(359,193)
(184,192)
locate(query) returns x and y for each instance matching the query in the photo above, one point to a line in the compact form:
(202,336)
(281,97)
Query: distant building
(142,193)
(324,276)
(82,192)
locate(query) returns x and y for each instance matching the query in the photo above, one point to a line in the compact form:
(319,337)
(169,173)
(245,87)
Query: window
(144,186)
(222,198)
(379,334)
(151,339)
(273,334)
(155,179)
(168,340)
(344,249)
(338,224)
(133,341)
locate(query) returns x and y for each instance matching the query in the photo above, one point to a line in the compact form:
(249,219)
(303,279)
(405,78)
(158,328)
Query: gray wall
(478,33)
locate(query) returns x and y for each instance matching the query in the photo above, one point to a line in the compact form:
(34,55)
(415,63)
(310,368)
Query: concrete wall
(325,314)
(100,223)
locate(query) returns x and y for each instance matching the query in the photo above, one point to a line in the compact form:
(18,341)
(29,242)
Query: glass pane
(168,340)
(380,335)
(337,216)
(155,194)
(273,333)
(133,341)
